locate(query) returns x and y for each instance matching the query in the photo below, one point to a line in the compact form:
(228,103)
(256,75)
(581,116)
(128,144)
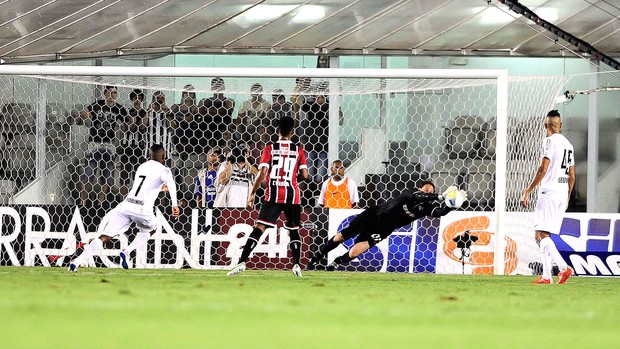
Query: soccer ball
(455,199)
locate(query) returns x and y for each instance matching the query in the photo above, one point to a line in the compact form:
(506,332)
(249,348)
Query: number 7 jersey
(283,160)
(148,182)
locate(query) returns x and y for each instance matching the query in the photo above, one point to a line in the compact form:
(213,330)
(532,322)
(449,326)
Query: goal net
(65,163)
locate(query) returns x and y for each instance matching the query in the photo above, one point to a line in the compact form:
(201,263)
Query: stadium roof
(48,30)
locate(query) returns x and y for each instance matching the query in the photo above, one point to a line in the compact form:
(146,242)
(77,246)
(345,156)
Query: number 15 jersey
(283,160)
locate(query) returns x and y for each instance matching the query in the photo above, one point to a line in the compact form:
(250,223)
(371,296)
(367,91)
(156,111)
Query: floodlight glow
(261,14)
(492,16)
(309,14)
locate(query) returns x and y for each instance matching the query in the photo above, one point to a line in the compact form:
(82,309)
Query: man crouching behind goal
(137,207)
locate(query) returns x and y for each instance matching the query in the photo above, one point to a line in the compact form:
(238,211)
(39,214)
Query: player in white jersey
(556,175)
(137,208)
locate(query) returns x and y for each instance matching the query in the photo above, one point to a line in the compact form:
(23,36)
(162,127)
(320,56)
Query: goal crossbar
(252,72)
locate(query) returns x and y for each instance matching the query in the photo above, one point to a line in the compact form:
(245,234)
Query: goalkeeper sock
(554,254)
(345,258)
(325,248)
(90,249)
(295,245)
(138,242)
(250,244)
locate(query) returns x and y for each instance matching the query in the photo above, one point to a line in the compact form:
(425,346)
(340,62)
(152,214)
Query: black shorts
(368,227)
(270,212)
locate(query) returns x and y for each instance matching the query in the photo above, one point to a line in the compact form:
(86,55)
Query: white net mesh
(65,162)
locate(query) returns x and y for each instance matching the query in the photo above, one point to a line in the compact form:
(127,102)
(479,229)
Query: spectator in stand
(226,143)
(158,102)
(238,175)
(159,123)
(315,136)
(103,116)
(134,140)
(338,191)
(185,115)
(279,108)
(216,112)
(300,91)
(258,141)
(205,181)
(253,111)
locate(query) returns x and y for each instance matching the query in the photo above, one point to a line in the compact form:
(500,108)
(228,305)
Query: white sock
(554,253)
(139,241)
(90,249)
(546,264)
(546,259)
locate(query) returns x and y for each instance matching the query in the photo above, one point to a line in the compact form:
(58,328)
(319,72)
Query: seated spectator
(236,178)
(205,181)
(338,191)
(216,111)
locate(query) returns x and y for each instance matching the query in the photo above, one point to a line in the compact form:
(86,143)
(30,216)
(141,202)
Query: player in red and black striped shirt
(281,164)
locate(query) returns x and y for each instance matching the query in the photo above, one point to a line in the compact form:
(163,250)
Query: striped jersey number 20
(282,177)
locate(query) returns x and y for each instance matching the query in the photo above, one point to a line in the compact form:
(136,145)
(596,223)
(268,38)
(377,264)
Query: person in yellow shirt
(338,191)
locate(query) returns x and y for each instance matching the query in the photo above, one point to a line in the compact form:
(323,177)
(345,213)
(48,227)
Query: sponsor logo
(411,248)
(481,257)
(200,239)
(593,263)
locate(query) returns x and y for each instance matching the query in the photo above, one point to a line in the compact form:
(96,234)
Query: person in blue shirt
(205,181)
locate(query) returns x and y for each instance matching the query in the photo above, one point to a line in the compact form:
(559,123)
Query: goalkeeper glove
(450,189)
(456,198)
(464,195)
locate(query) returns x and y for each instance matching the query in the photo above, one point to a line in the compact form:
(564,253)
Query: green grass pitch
(113,308)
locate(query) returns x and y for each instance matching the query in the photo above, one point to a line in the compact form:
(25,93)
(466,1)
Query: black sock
(250,244)
(322,252)
(295,245)
(345,258)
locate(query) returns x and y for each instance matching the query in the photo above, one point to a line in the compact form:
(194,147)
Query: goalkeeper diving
(378,222)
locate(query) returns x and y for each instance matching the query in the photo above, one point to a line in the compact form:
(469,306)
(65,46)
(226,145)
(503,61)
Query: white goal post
(478,129)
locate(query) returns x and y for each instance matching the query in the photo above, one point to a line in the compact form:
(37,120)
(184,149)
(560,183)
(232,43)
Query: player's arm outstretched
(452,197)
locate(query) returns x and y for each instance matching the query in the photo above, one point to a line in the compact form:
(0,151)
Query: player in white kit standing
(556,175)
(137,208)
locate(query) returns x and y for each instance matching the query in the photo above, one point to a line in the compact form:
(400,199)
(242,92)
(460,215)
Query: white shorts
(118,220)
(550,213)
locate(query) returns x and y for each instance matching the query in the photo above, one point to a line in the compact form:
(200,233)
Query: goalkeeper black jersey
(409,206)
